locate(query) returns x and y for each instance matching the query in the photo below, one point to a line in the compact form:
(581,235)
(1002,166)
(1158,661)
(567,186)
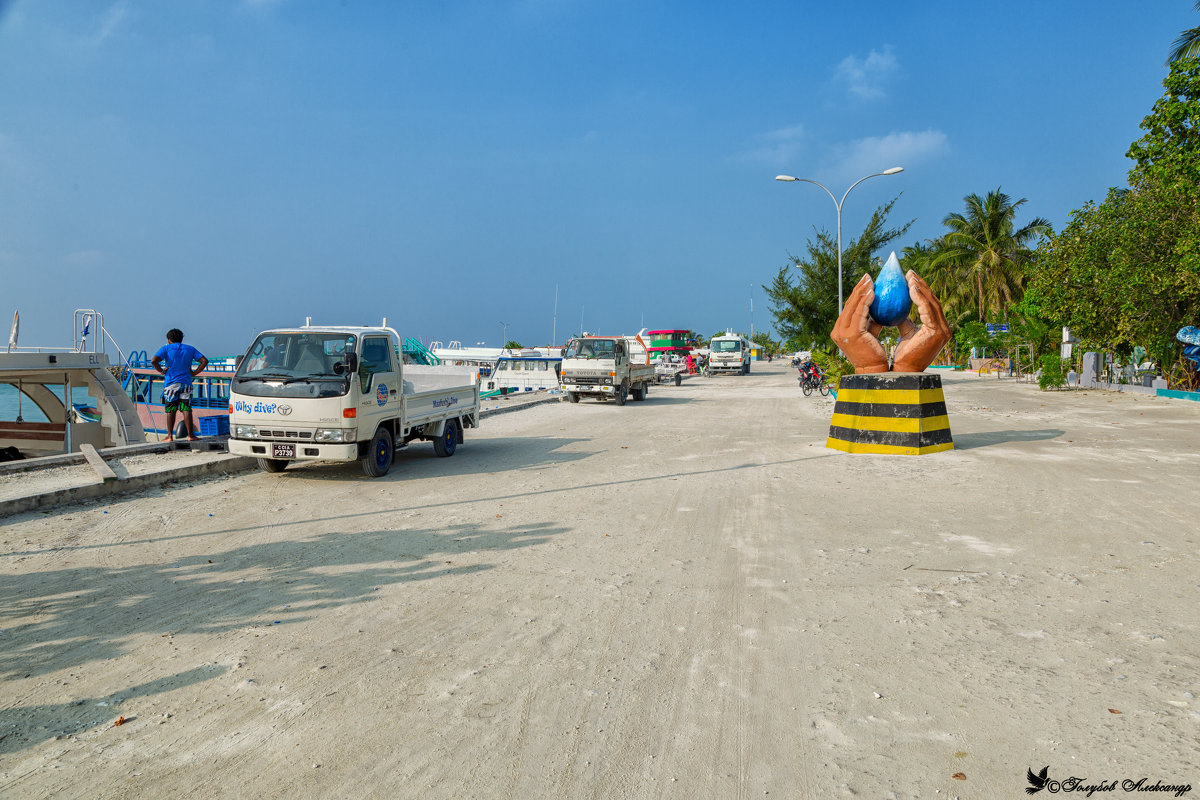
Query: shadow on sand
(970,441)
(26,726)
(67,618)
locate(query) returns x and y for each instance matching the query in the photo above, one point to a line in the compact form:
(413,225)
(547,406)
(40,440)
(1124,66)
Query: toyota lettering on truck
(344,394)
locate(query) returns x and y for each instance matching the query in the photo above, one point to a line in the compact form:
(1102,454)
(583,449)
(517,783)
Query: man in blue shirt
(177,383)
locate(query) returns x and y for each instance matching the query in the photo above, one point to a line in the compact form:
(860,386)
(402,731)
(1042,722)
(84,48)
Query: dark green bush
(1052,375)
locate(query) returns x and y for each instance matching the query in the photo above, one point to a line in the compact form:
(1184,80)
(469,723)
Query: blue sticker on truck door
(381,395)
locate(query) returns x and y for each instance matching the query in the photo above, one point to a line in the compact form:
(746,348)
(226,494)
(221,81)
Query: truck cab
(606,367)
(729,352)
(343,394)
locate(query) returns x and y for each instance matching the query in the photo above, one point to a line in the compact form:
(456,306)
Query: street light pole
(503,335)
(752,312)
(838,205)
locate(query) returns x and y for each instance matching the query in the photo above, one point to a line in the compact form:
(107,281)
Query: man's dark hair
(174,336)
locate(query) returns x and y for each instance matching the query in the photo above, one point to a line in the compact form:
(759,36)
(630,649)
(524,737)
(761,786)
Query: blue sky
(226,166)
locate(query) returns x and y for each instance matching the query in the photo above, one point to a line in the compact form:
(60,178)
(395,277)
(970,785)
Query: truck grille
(263,433)
(586,381)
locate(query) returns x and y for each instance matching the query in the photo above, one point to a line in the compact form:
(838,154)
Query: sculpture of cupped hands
(857,335)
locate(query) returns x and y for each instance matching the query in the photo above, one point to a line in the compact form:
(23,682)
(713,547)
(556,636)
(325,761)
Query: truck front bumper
(305,451)
(589,389)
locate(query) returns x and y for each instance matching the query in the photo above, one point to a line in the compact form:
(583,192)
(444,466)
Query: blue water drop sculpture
(892,303)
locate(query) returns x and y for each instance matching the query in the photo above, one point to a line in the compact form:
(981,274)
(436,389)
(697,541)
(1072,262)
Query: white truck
(606,366)
(344,394)
(729,352)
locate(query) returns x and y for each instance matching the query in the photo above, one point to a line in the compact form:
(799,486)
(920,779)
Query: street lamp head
(893,170)
(785,178)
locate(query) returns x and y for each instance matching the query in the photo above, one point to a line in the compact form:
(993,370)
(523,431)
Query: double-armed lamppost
(891,171)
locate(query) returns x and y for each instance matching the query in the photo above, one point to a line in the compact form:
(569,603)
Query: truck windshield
(591,348)
(295,365)
(726,346)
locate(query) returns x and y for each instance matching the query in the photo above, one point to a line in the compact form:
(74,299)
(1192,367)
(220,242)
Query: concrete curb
(491,412)
(92,491)
(221,466)
(145,448)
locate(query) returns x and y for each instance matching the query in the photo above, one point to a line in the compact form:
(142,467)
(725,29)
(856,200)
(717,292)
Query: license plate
(283,451)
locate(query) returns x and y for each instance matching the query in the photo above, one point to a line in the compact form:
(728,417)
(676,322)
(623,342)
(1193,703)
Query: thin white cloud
(776,148)
(866,77)
(110,21)
(877,153)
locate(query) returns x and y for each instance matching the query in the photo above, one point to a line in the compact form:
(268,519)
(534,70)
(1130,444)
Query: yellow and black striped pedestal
(901,413)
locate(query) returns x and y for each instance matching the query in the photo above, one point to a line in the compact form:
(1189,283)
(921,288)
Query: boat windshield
(725,346)
(591,348)
(295,365)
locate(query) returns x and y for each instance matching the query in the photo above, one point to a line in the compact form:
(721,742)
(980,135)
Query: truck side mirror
(237,362)
(347,367)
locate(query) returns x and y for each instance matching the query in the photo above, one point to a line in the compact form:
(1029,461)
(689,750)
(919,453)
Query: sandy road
(685,597)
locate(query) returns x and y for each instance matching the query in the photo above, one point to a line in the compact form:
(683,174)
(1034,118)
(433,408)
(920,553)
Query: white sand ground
(685,597)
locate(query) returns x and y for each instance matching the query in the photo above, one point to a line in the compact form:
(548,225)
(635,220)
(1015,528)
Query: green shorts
(177,397)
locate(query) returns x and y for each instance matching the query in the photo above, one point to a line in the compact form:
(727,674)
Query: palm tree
(926,259)
(984,253)
(1187,45)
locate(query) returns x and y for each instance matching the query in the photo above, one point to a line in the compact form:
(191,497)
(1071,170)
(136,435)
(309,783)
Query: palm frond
(1186,46)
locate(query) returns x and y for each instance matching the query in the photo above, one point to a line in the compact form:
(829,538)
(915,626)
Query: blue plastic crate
(214,426)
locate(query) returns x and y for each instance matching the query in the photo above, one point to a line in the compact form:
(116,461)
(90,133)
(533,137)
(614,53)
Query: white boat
(519,371)
(455,354)
(49,382)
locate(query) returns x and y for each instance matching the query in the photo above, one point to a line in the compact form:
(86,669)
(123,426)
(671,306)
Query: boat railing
(140,359)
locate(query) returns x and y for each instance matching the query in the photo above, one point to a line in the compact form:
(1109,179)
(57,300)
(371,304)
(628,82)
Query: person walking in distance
(174,362)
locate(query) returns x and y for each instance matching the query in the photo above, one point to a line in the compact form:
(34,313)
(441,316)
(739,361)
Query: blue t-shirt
(178,358)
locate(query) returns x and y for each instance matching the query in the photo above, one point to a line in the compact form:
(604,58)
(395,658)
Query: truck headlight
(336,435)
(606,381)
(244,432)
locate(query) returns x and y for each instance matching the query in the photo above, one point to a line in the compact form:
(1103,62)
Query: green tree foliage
(984,255)
(1126,272)
(764,340)
(804,293)
(513,344)
(833,365)
(970,335)
(1187,45)
(1169,151)
(795,344)
(1052,374)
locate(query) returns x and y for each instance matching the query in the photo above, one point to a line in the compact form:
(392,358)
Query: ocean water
(31,413)
(29,410)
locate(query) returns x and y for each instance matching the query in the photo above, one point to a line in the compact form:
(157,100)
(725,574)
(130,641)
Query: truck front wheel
(620,394)
(573,397)
(446,444)
(272,464)
(678,378)
(380,452)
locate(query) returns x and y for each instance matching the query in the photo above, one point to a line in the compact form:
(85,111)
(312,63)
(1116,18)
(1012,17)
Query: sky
(523,169)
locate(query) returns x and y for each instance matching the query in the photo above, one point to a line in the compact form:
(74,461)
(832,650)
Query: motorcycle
(812,378)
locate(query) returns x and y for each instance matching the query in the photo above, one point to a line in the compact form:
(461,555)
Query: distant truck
(344,394)
(729,352)
(606,366)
